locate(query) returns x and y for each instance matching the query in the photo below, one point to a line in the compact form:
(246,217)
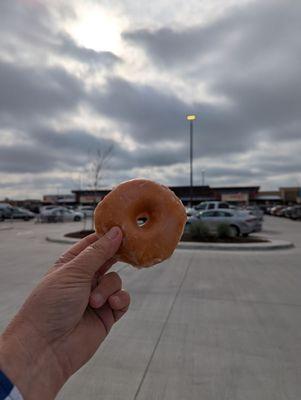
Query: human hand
(65,319)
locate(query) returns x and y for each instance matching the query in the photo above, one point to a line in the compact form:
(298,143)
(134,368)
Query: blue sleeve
(7,390)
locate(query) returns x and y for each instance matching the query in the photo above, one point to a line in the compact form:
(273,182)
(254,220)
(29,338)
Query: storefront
(59,199)
(269,198)
(241,194)
(87,197)
(236,197)
(290,194)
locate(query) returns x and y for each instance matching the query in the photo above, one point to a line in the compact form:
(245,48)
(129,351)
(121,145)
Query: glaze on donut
(156,239)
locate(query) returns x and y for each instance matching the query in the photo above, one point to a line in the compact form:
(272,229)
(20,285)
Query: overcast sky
(79,76)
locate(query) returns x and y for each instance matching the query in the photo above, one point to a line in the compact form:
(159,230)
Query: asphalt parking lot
(203,325)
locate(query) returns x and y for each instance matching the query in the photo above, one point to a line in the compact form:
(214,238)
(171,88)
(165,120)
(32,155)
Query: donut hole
(142,220)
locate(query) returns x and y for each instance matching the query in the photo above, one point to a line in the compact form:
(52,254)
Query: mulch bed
(187,238)
(79,234)
(249,239)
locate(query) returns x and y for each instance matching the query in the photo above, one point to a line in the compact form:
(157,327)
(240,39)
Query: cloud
(67,47)
(46,149)
(151,115)
(25,21)
(23,159)
(37,91)
(169,47)
(37,27)
(145,112)
(239,72)
(74,141)
(244,31)
(245,62)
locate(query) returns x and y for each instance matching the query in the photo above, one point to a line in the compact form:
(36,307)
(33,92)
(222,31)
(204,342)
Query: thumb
(94,256)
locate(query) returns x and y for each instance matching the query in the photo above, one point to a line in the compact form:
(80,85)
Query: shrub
(199,230)
(223,231)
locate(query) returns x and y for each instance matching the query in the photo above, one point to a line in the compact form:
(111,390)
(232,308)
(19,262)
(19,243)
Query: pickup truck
(212,205)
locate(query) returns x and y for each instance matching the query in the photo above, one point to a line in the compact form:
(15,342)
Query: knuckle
(115,278)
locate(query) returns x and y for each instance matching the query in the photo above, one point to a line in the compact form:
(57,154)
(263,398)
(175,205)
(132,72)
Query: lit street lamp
(191,118)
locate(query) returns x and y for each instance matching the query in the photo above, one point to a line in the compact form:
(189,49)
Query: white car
(86,210)
(45,209)
(60,214)
(212,205)
(191,211)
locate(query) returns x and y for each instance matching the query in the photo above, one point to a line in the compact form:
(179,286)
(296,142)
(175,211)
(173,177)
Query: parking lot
(203,325)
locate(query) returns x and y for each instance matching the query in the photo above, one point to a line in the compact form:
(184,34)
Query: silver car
(240,223)
(293,212)
(256,211)
(86,210)
(60,214)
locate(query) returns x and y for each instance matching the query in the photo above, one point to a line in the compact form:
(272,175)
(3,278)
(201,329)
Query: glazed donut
(131,202)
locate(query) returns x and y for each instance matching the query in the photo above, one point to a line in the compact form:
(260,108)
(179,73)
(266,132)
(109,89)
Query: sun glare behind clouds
(96,29)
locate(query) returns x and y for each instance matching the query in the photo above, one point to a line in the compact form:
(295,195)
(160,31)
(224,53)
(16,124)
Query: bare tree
(96,168)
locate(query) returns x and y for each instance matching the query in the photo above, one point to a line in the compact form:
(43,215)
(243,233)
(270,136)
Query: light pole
(191,118)
(203,177)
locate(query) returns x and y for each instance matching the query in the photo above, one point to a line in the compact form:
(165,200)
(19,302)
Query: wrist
(29,363)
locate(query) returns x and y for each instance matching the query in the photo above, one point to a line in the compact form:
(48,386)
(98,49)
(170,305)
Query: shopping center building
(244,194)
(231,194)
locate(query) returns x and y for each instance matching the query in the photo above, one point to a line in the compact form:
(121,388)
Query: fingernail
(113,233)
(98,299)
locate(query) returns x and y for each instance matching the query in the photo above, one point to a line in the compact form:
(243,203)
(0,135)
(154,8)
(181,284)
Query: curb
(269,246)
(61,239)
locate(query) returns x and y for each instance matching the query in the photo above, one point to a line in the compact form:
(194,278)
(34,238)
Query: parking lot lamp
(191,118)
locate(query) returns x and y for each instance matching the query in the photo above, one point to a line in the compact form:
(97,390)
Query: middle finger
(108,285)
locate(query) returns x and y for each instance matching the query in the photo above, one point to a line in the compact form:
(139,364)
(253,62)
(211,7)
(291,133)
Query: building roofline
(183,187)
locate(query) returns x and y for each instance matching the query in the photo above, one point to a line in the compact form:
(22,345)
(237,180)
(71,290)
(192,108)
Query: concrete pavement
(203,325)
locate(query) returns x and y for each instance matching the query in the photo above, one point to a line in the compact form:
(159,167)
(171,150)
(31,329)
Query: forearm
(29,363)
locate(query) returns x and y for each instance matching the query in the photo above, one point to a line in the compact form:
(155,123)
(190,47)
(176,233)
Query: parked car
(276,210)
(286,212)
(212,205)
(21,213)
(86,210)
(2,216)
(281,212)
(47,208)
(257,221)
(254,210)
(191,211)
(295,212)
(6,210)
(240,223)
(60,214)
